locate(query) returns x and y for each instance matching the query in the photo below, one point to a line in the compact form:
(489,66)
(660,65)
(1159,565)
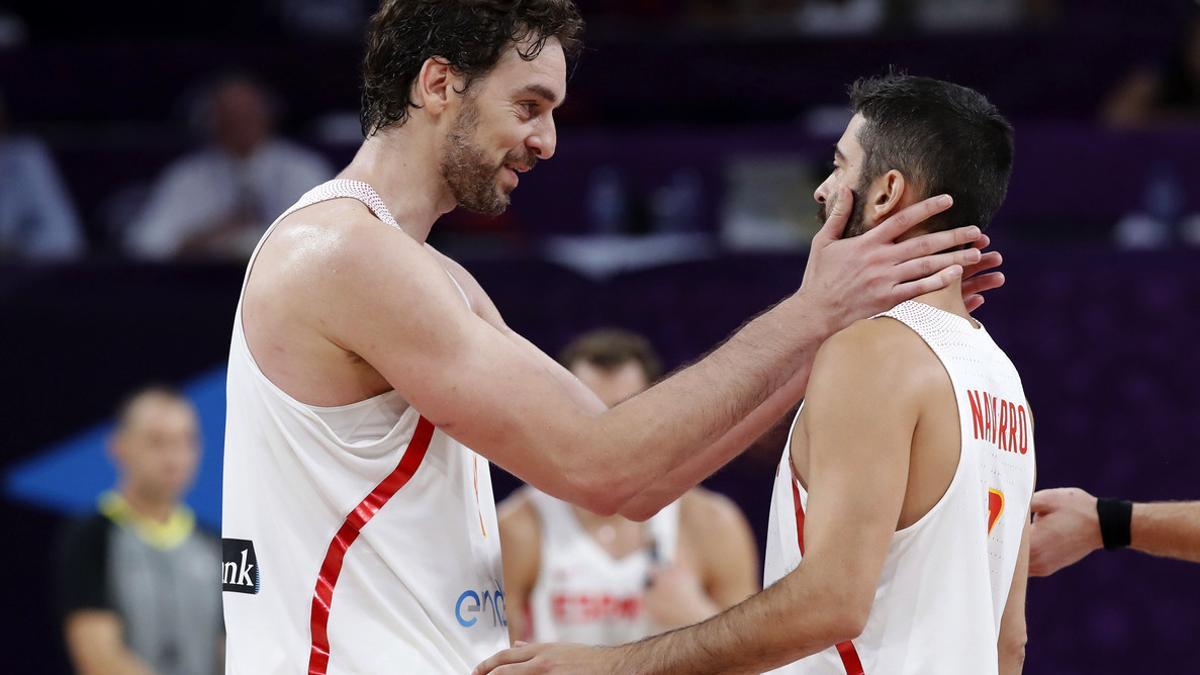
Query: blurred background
(144,146)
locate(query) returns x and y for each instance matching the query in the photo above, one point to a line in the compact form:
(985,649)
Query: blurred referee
(137,588)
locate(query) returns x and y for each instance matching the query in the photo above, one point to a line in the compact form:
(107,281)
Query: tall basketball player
(898,540)
(577,576)
(367,370)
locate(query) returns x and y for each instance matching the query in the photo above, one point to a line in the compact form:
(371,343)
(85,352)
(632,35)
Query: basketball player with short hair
(577,576)
(367,370)
(898,540)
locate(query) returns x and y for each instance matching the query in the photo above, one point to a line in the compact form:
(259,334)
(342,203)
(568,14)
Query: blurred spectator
(12,29)
(217,202)
(36,217)
(1164,94)
(841,17)
(137,586)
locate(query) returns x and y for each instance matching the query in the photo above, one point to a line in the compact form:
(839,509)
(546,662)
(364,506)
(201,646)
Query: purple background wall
(1105,343)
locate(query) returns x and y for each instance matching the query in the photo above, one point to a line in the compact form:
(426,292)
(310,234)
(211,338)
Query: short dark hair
(611,348)
(150,391)
(471,35)
(946,137)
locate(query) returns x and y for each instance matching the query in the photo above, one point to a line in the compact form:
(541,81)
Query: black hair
(944,137)
(471,35)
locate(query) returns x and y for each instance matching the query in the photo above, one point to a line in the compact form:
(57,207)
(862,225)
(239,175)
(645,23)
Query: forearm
(1169,529)
(764,632)
(661,428)
(709,460)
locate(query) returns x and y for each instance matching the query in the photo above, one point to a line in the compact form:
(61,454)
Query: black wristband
(1116,522)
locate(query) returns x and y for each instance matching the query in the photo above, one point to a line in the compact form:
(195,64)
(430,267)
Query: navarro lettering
(1002,423)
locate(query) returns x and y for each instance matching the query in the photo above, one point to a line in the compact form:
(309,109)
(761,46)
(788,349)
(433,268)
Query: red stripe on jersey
(846,650)
(331,566)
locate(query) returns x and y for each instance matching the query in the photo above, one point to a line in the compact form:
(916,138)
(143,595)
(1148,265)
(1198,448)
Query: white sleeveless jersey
(582,593)
(946,578)
(358,539)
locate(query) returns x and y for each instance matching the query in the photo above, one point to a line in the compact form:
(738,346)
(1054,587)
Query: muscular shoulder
(335,256)
(880,355)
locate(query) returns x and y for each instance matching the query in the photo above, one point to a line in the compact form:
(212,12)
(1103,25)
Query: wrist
(821,319)
(1115,518)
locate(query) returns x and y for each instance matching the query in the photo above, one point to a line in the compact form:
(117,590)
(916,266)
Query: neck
(147,505)
(948,299)
(403,167)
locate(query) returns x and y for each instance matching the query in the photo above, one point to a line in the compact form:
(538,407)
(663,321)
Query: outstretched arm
(867,403)
(388,302)
(1067,527)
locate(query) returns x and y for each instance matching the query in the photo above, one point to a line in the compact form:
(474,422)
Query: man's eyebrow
(543,92)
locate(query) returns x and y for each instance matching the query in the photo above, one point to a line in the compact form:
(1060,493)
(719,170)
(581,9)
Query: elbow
(1012,651)
(599,494)
(639,510)
(847,616)
(845,624)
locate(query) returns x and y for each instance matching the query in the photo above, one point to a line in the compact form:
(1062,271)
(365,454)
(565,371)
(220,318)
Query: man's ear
(435,85)
(886,196)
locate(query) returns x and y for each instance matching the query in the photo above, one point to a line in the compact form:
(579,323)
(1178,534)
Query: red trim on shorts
(331,566)
(846,650)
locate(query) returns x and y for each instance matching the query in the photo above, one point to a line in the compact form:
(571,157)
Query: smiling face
(503,125)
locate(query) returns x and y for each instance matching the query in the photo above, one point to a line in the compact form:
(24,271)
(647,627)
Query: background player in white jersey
(577,576)
(898,540)
(371,379)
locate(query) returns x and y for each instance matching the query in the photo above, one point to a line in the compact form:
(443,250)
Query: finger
(983,282)
(835,224)
(1042,502)
(923,267)
(936,242)
(514,655)
(929,284)
(973,302)
(989,260)
(983,242)
(517,669)
(902,222)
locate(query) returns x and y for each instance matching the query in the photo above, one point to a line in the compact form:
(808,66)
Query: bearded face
(474,179)
(855,225)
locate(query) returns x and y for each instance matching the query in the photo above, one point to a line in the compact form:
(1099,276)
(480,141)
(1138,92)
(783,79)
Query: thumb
(839,214)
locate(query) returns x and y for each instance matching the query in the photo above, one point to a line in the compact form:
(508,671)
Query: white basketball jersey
(359,538)
(582,593)
(946,578)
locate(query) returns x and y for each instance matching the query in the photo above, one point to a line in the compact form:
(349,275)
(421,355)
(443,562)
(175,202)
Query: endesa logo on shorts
(239,566)
(473,606)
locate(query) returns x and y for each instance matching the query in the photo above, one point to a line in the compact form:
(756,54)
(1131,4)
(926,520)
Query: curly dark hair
(471,35)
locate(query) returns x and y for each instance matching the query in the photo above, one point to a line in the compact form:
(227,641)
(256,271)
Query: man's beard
(855,225)
(465,167)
